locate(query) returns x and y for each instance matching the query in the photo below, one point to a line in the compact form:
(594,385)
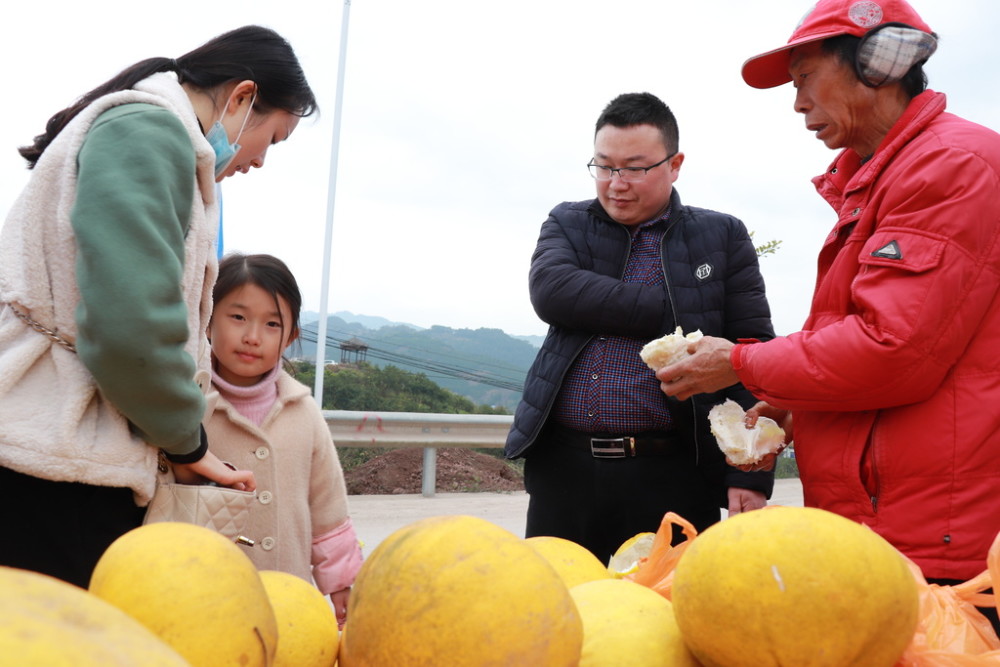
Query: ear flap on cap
(887,52)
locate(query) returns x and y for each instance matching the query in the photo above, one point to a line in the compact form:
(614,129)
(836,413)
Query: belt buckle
(612,448)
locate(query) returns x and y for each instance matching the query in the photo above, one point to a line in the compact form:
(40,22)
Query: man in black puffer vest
(606,453)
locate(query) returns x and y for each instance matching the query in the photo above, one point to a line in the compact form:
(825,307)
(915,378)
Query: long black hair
(249,53)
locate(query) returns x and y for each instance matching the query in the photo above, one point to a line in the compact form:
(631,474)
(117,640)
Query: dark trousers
(61,528)
(600,503)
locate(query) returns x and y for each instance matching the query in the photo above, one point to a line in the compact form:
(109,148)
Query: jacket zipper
(874,497)
(673,311)
(870,452)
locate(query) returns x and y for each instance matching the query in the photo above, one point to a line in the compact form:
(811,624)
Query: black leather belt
(613,446)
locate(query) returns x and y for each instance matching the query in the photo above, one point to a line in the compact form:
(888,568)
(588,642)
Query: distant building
(353,351)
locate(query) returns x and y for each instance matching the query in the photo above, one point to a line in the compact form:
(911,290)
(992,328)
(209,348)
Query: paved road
(377,517)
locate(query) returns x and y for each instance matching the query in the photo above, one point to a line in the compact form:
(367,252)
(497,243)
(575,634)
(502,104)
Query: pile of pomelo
(781,586)
(167,594)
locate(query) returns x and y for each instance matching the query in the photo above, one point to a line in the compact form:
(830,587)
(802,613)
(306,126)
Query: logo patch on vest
(889,251)
(703,271)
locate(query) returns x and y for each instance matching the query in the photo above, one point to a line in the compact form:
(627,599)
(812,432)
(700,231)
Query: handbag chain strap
(161,462)
(42,329)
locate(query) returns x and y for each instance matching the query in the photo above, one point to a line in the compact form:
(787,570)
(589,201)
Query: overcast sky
(465,121)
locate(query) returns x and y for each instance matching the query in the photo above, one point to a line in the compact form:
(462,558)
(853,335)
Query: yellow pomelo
(307,627)
(625,561)
(626,624)
(49,622)
(574,563)
(193,588)
(459,590)
(794,586)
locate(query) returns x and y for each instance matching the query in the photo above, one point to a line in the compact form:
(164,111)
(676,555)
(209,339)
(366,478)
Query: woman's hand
(211,469)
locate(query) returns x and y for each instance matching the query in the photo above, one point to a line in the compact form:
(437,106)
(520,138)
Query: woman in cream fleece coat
(107,261)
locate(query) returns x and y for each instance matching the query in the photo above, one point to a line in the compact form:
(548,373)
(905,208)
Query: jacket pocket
(868,469)
(903,249)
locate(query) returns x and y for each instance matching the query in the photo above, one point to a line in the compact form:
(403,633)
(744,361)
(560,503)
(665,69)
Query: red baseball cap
(828,18)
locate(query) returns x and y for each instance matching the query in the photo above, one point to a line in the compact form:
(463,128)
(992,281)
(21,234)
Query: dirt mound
(400,471)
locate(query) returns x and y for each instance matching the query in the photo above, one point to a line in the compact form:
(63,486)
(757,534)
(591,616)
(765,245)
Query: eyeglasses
(627,174)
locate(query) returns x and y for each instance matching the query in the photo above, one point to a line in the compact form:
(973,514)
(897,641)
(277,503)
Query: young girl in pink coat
(260,418)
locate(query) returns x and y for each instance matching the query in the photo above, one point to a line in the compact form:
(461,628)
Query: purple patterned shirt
(609,389)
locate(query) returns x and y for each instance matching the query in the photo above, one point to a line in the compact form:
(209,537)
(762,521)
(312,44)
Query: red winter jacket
(894,381)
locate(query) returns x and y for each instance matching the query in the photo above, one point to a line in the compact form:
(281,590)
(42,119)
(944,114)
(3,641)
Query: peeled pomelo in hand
(668,349)
(740,444)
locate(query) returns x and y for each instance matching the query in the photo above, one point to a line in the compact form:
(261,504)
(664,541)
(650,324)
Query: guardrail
(351,428)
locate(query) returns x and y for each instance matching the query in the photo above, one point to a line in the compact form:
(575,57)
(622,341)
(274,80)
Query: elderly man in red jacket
(894,380)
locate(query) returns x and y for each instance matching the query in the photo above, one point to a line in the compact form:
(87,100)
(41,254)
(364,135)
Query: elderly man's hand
(783,419)
(707,369)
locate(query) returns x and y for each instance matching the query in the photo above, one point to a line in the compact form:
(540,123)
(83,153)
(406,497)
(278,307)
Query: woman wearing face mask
(107,262)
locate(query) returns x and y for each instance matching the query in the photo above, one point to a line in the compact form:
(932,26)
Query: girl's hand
(339,600)
(211,469)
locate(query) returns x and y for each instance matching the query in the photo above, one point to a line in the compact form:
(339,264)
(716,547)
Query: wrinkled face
(837,107)
(260,133)
(633,203)
(247,335)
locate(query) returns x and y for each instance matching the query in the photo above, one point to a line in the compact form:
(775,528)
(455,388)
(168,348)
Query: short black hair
(631,109)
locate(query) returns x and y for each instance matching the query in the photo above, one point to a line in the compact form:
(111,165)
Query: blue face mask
(219,139)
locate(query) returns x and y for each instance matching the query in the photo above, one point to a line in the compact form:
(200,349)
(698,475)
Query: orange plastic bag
(951,631)
(656,570)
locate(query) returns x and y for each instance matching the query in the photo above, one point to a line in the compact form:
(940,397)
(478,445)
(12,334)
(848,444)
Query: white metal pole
(330,204)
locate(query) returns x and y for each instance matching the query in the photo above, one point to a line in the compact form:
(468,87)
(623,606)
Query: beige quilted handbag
(224,510)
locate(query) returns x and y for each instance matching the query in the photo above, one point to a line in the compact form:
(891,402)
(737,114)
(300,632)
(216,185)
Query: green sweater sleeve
(135,189)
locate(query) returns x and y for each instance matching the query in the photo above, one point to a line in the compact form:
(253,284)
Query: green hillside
(487,366)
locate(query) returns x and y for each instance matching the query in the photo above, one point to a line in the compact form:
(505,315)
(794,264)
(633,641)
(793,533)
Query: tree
(365,387)
(768,248)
